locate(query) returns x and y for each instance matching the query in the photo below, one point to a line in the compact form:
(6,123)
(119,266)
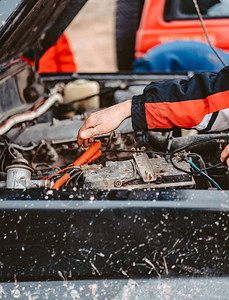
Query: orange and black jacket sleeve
(201,102)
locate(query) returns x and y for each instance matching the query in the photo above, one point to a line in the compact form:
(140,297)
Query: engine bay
(40,119)
(132,204)
(130,207)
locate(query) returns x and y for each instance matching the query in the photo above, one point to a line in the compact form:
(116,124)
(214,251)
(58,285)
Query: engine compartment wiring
(204,174)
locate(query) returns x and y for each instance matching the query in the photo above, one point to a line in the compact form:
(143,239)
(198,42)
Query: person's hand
(103,121)
(225,155)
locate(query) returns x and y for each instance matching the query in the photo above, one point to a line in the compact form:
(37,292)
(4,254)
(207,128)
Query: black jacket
(201,102)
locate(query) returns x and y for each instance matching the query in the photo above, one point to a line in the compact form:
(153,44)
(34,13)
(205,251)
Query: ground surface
(92,37)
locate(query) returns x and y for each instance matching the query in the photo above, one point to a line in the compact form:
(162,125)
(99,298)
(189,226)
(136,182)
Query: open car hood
(29,27)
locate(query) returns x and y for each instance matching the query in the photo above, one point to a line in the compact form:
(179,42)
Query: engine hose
(204,142)
(30,115)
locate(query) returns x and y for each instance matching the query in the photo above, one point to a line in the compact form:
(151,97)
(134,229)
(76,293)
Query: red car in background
(143,24)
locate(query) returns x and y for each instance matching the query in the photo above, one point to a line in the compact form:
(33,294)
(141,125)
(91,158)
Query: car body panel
(155,30)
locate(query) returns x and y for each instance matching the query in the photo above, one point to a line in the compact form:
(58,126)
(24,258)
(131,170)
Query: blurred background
(92,37)
(150,35)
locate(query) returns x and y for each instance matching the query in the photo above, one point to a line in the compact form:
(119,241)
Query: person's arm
(201,102)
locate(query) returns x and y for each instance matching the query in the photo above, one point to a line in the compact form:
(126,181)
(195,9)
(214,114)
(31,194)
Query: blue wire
(201,172)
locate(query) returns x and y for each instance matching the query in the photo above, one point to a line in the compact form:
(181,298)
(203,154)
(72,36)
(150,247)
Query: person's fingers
(81,135)
(91,132)
(85,143)
(225,154)
(79,140)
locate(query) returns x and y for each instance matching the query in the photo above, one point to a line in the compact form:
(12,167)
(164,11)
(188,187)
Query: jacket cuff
(138,114)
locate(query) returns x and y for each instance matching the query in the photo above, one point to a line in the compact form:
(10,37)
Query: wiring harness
(74,171)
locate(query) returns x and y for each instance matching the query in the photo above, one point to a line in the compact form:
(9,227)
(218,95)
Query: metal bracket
(145,167)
